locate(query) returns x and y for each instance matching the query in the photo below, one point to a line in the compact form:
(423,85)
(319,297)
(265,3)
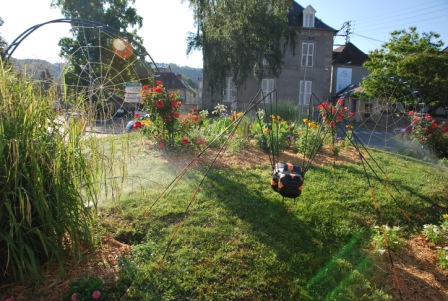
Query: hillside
(35,67)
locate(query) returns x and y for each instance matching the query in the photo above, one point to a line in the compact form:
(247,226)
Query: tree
(417,59)
(3,43)
(236,36)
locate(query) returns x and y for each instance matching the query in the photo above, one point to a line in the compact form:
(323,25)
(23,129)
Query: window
(265,62)
(228,90)
(307,54)
(267,85)
(308,16)
(305,92)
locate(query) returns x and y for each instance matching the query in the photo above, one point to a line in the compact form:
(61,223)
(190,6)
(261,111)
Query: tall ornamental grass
(47,195)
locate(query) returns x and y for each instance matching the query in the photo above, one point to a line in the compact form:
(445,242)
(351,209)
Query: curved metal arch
(140,51)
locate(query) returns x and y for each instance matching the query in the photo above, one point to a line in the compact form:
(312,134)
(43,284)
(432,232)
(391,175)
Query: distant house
(347,70)
(304,72)
(347,67)
(174,83)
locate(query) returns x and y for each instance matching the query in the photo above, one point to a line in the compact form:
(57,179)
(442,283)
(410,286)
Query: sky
(167,23)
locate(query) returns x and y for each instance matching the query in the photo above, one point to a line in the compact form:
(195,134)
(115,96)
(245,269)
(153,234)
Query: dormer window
(308,16)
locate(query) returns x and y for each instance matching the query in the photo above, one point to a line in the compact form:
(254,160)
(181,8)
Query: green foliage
(271,132)
(235,36)
(47,181)
(438,235)
(286,109)
(3,43)
(388,238)
(85,288)
(418,59)
(442,258)
(309,138)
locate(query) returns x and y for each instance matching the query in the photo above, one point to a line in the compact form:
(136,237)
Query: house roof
(349,54)
(295,16)
(170,80)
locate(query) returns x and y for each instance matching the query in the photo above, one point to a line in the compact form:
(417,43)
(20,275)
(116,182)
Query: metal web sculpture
(102,68)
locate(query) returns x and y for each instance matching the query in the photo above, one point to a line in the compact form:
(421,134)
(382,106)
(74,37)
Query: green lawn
(239,240)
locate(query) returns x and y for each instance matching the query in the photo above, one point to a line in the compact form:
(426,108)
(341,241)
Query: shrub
(45,181)
(431,133)
(85,288)
(386,237)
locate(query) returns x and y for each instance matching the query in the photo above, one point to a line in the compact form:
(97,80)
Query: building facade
(305,72)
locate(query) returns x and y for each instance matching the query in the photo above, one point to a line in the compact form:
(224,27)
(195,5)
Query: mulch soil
(418,278)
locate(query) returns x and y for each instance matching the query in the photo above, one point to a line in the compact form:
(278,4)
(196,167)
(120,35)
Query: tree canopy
(3,43)
(235,36)
(417,58)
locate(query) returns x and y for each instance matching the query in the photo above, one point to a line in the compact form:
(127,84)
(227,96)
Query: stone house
(347,67)
(174,83)
(305,72)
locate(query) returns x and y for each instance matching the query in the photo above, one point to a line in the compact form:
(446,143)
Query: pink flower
(96,295)
(352,114)
(9,299)
(73,297)
(340,101)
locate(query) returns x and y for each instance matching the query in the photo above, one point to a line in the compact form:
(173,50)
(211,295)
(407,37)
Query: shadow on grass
(312,254)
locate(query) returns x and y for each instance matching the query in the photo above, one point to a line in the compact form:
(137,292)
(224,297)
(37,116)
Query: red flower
(176,114)
(159,83)
(176,104)
(411,113)
(145,87)
(184,141)
(160,144)
(136,115)
(158,89)
(137,125)
(352,114)
(340,101)
(159,104)
(332,123)
(201,141)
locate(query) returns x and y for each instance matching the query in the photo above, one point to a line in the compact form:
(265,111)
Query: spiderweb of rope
(381,105)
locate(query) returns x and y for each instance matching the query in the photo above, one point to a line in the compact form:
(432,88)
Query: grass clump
(46,180)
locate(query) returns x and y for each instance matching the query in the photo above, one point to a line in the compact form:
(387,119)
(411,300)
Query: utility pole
(345,31)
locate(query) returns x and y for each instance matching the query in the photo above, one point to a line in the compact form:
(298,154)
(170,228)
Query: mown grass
(240,241)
